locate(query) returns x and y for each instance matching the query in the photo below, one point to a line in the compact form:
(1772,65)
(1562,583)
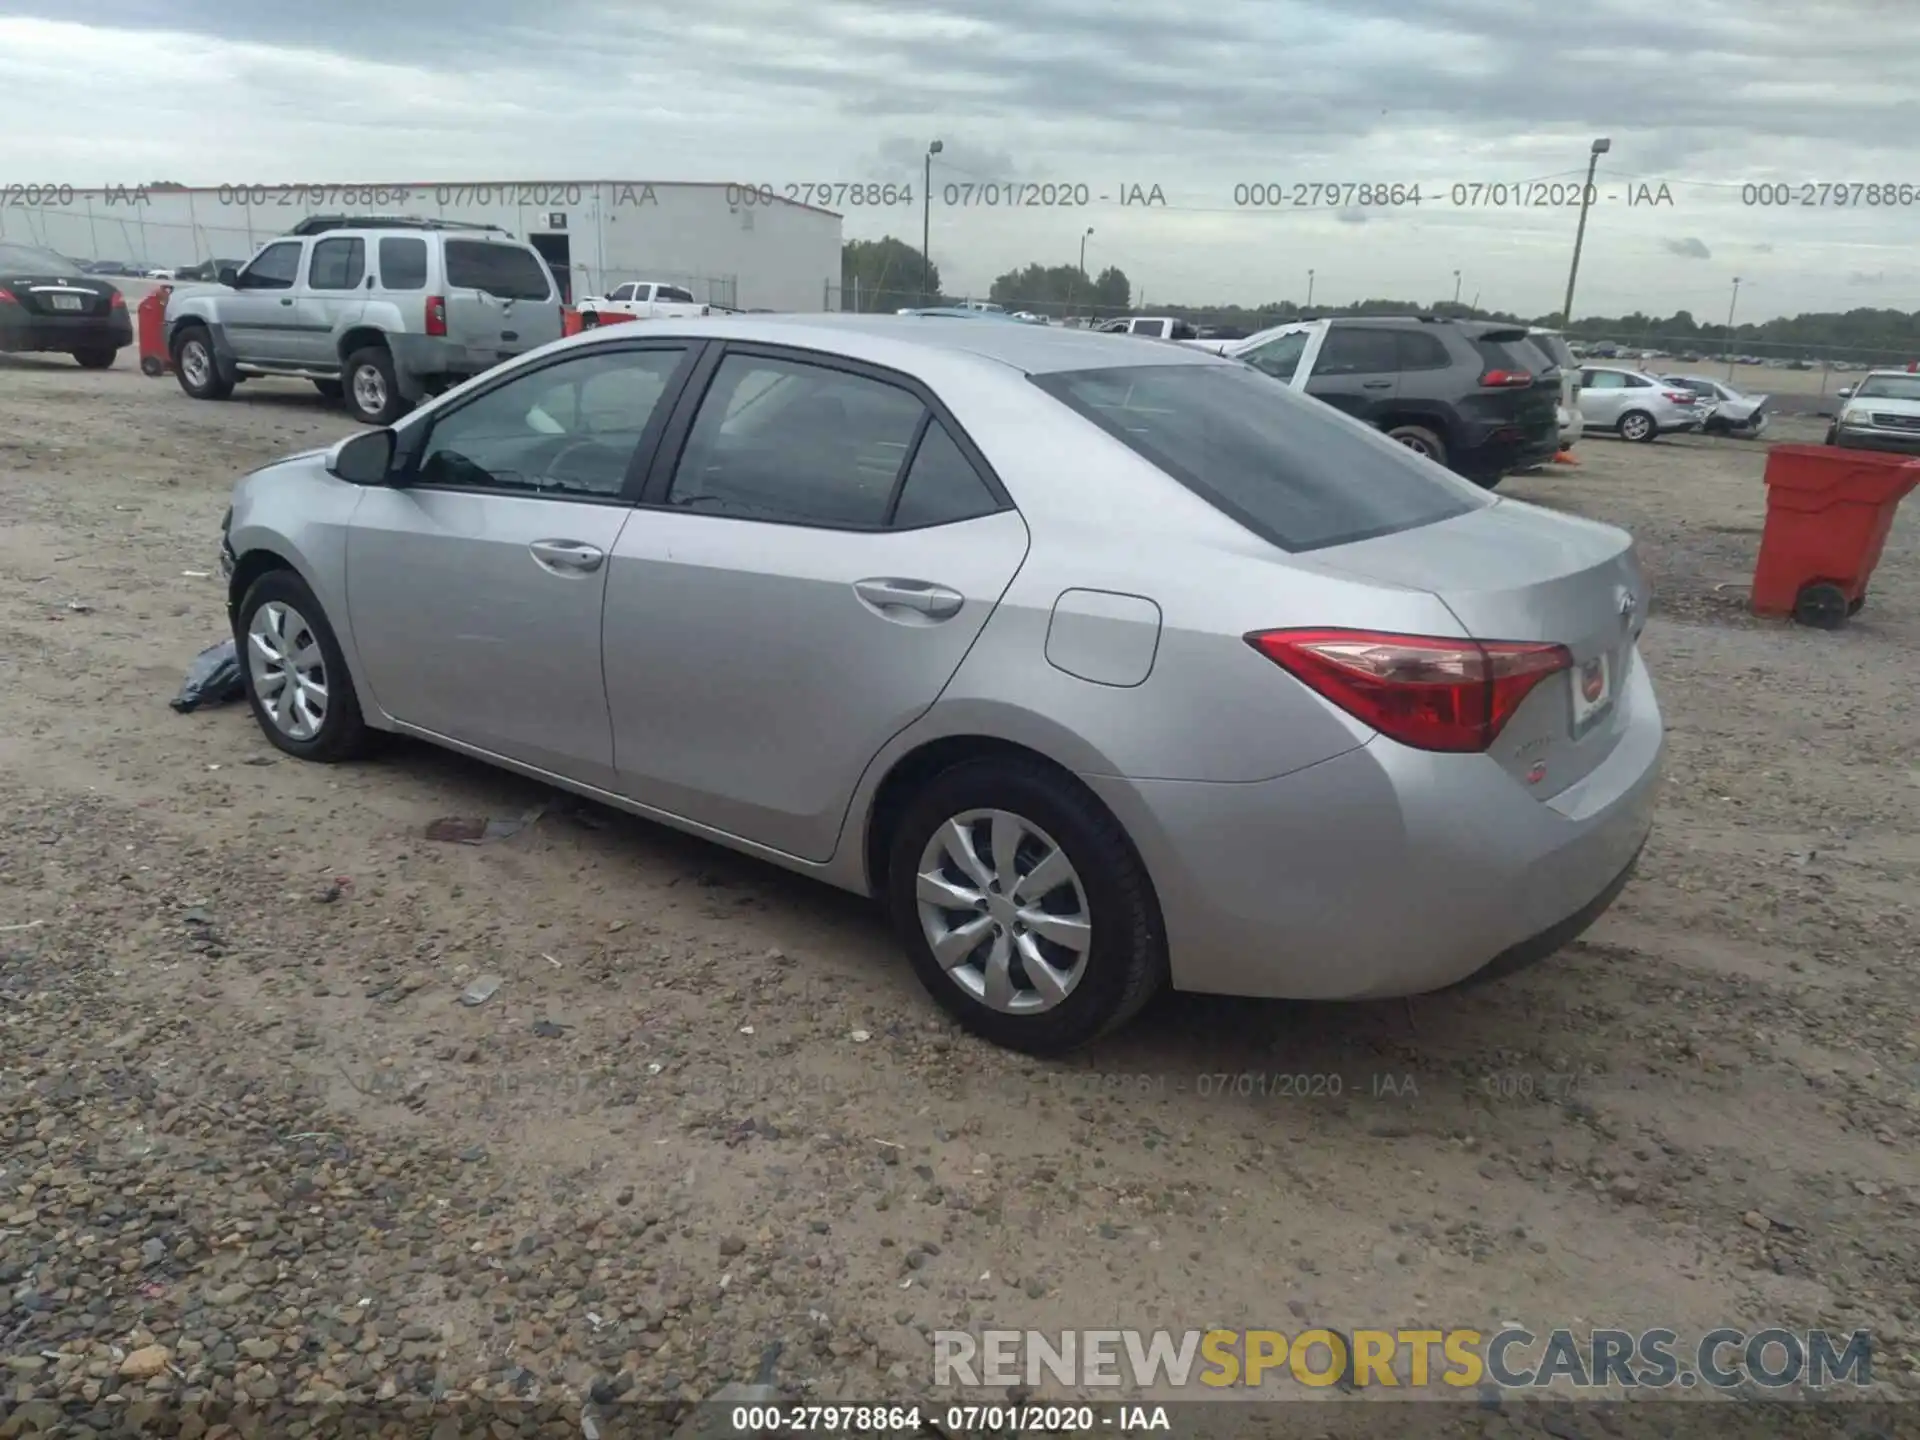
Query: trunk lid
(57,295)
(1512,571)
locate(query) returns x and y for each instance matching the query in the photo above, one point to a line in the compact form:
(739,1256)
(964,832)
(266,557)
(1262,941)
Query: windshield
(32,260)
(1889,387)
(1295,471)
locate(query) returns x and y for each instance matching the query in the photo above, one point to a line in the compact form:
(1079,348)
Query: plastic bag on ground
(212,679)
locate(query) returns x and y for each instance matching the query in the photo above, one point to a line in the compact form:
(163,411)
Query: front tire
(96,357)
(1638,426)
(1023,907)
(196,367)
(373,393)
(296,677)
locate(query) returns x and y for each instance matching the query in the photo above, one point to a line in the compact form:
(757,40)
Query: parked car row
(825,589)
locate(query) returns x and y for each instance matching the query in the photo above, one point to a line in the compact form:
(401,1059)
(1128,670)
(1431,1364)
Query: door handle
(285,300)
(935,601)
(1376,384)
(571,555)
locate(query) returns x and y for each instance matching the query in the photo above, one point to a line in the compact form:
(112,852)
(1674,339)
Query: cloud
(1185,94)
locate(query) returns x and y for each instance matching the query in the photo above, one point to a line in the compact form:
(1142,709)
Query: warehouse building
(734,245)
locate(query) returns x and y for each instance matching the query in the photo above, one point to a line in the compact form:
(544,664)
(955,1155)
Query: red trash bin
(1828,513)
(151,326)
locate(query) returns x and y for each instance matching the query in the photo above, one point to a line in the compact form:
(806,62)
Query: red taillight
(1424,691)
(436,315)
(1503,379)
(6,296)
(1680,397)
(119,301)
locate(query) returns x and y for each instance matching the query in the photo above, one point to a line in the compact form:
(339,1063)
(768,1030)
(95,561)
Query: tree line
(889,274)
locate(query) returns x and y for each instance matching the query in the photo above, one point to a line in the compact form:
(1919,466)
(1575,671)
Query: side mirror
(229,276)
(362,459)
(1845,392)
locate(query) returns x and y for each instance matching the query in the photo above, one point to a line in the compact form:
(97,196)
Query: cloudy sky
(1218,103)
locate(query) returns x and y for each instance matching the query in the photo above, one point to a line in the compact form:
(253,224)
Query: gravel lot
(244,1120)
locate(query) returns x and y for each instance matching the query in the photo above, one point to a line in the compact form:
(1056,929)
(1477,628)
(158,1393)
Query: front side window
(622,292)
(1278,358)
(569,429)
(337,265)
(274,268)
(796,443)
(1297,473)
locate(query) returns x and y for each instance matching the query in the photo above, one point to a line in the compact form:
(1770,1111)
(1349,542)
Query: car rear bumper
(1387,871)
(20,331)
(1898,442)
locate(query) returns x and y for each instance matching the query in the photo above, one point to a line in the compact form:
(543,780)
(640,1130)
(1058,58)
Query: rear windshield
(32,260)
(1554,348)
(1513,350)
(1295,471)
(506,271)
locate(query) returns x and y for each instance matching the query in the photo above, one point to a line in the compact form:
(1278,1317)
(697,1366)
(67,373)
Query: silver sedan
(1103,666)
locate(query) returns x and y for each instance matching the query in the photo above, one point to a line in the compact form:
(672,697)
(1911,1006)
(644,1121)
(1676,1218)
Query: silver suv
(380,311)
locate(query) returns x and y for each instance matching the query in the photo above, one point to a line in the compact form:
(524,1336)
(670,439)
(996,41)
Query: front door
(1281,355)
(797,591)
(1603,397)
(260,316)
(1357,370)
(475,585)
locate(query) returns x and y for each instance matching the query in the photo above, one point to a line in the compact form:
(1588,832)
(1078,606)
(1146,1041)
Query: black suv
(1477,396)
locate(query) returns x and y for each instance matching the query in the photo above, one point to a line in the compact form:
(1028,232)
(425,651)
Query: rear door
(807,573)
(500,297)
(1357,370)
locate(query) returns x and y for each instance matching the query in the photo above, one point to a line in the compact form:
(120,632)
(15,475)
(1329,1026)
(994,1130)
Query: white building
(728,244)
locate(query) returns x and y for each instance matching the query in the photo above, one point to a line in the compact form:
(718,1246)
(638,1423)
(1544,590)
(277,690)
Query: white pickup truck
(641,300)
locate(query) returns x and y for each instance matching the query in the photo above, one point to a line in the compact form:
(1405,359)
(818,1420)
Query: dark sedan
(48,304)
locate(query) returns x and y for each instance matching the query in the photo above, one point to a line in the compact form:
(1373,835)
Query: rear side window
(1421,351)
(673,293)
(1358,350)
(337,265)
(942,485)
(507,272)
(1294,471)
(403,262)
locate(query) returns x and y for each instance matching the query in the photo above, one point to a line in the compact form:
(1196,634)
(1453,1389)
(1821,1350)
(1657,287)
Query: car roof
(898,340)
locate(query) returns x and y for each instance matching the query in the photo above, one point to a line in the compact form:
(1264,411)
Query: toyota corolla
(1102,666)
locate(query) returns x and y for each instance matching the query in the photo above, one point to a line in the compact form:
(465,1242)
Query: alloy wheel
(1004,911)
(196,365)
(369,390)
(288,670)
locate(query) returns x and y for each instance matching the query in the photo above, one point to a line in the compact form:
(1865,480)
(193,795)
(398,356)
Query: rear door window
(1358,350)
(337,265)
(507,272)
(1294,471)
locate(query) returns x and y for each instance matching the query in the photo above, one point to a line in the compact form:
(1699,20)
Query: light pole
(1309,289)
(1083,250)
(1599,148)
(1081,273)
(1734,300)
(926,225)
(1456,287)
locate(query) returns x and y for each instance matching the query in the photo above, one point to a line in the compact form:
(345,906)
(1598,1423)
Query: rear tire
(372,391)
(1420,440)
(1638,426)
(342,732)
(96,357)
(1124,961)
(196,366)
